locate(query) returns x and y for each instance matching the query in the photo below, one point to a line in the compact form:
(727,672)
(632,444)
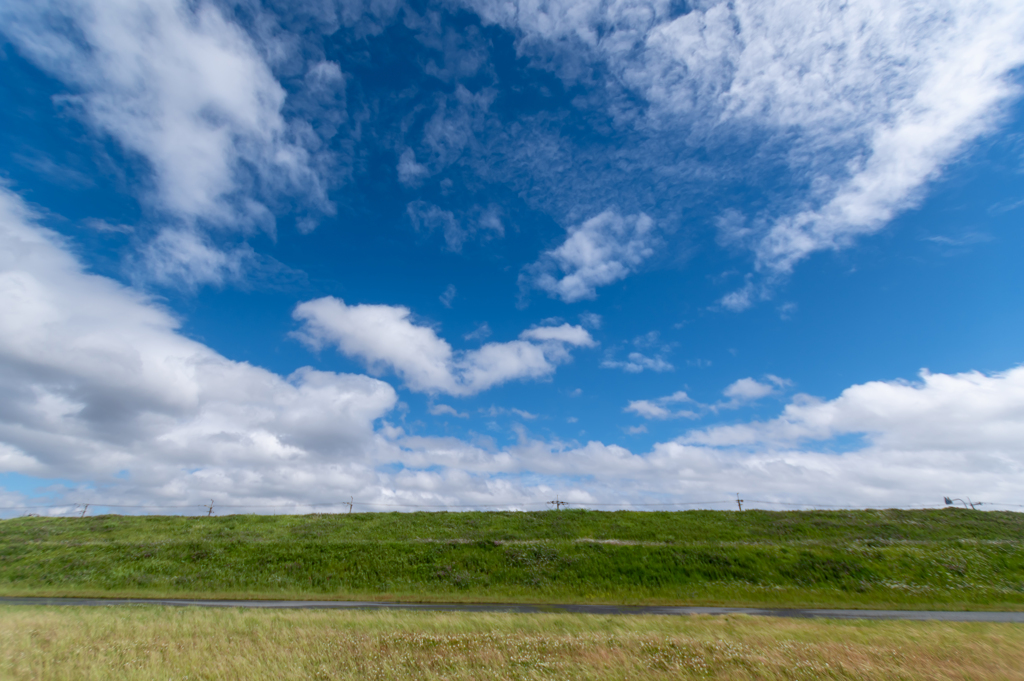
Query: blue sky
(480,253)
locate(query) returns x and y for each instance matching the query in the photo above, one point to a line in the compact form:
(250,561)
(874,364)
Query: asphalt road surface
(940,615)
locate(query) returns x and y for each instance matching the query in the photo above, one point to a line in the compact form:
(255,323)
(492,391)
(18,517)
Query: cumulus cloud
(747,390)
(185,89)
(100,388)
(922,440)
(566,333)
(99,382)
(598,252)
(965,412)
(648,409)
(661,407)
(385,337)
(636,362)
(446,410)
(740,393)
(872,475)
(855,104)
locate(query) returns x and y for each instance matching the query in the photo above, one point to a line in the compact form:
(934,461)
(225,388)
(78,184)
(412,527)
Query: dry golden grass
(168,643)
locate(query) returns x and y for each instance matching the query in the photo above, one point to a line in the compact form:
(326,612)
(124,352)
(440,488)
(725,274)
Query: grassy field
(949,559)
(160,643)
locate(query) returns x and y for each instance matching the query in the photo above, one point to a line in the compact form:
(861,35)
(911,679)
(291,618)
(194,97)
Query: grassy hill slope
(910,559)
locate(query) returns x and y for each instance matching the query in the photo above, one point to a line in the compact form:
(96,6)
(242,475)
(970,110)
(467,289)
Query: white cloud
(958,81)
(488,220)
(787,310)
(410,172)
(457,229)
(740,299)
(658,409)
(448,296)
(968,239)
(185,89)
(598,252)
(187,258)
(858,105)
(636,362)
(648,409)
(862,102)
(494,412)
(384,337)
(748,389)
(427,217)
(949,433)
(446,409)
(965,412)
(98,380)
(106,227)
(891,93)
(480,333)
(496,363)
(566,333)
(453,127)
(57,173)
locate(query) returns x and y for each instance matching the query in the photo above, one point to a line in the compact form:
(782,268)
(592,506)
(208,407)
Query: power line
(350,504)
(374,504)
(828,506)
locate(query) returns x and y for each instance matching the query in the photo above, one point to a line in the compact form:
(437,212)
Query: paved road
(942,615)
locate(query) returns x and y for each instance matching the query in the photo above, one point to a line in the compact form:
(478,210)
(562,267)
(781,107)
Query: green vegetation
(952,559)
(167,643)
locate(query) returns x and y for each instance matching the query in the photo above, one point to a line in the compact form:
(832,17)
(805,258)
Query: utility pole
(739,502)
(210,507)
(348,503)
(558,503)
(84,509)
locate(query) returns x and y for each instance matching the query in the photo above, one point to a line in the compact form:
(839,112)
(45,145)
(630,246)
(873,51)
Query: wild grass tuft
(189,643)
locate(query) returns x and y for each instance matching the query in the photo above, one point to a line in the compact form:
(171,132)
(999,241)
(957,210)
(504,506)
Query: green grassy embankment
(945,559)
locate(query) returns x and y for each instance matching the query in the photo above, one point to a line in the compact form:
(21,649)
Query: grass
(187,643)
(947,559)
